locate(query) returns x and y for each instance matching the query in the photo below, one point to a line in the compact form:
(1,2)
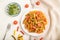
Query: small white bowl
(36,34)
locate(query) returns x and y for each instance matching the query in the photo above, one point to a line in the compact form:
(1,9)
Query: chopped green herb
(13,9)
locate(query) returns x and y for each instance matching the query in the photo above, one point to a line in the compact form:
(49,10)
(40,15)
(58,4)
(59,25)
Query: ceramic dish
(13,9)
(46,28)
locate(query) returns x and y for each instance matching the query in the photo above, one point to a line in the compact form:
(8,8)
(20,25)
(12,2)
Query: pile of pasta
(35,21)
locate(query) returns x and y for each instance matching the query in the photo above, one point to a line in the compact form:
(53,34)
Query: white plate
(47,26)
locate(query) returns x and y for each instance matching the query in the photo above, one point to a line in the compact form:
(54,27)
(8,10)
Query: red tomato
(38,12)
(27,17)
(44,20)
(26,5)
(39,24)
(15,22)
(41,38)
(38,18)
(34,39)
(38,3)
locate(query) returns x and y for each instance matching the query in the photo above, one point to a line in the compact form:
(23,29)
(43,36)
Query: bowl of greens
(13,9)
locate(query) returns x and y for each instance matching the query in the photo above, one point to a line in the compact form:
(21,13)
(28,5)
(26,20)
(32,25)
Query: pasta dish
(35,21)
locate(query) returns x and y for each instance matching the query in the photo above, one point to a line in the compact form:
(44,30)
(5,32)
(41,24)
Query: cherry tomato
(41,38)
(34,39)
(38,3)
(15,22)
(26,5)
